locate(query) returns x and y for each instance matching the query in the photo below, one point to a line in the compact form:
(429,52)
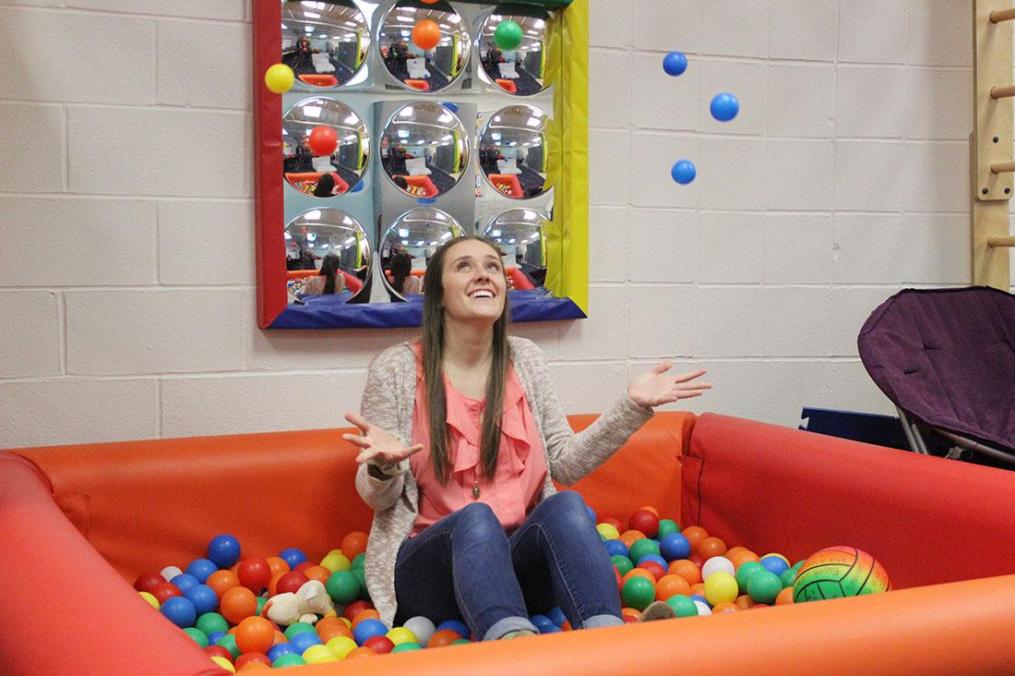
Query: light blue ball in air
(675,63)
(724,106)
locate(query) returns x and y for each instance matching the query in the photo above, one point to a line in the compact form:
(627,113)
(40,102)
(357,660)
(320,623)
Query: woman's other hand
(655,388)
(378,446)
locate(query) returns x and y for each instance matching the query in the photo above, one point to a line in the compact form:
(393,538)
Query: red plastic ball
(323,140)
(218,651)
(246,658)
(355,608)
(146,582)
(646,522)
(426,34)
(254,574)
(302,568)
(654,568)
(614,522)
(379,644)
(697,559)
(164,591)
(620,578)
(354,544)
(291,582)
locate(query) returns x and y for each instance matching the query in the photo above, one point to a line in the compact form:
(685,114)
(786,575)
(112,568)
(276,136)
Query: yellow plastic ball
(316,654)
(721,587)
(279,78)
(400,635)
(150,598)
(224,663)
(607,531)
(341,646)
(336,561)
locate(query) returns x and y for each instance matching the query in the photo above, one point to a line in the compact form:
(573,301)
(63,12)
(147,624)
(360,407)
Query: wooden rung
(1002,92)
(1001,241)
(1002,167)
(999,15)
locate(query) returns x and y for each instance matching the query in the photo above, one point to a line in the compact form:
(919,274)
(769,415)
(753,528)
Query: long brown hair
(433,359)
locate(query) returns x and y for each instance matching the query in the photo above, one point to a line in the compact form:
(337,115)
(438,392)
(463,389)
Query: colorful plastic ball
(746,571)
(215,650)
(686,569)
(169,572)
(406,647)
(556,616)
(703,608)
(543,629)
(721,587)
(319,654)
(674,546)
(180,611)
(203,597)
(616,548)
(146,582)
(297,628)
(507,35)
(353,545)
(643,547)
(277,650)
(671,585)
(717,564)
(355,608)
(456,626)
(787,577)
(667,527)
(675,63)
(638,593)
(361,577)
(774,564)
(683,172)
(541,621)
(645,521)
(341,646)
(622,563)
(336,561)
(198,636)
(607,531)
(724,107)
(279,78)
(224,550)
(323,141)
(300,642)
(709,547)
(201,569)
(223,663)
(215,636)
(368,629)
(442,638)
(238,603)
(292,555)
(399,635)
(276,566)
(184,581)
(785,597)
(422,627)
(210,623)
(835,572)
(165,591)
(287,660)
(229,643)
(255,635)
(382,645)
(254,573)
(343,586)
(150,599)
(645,558)
(764,586)
(291,582)
(426,34)
(683,606)
(252,658)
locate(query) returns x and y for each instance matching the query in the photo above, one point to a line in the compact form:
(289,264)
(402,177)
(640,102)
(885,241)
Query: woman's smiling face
(473,282)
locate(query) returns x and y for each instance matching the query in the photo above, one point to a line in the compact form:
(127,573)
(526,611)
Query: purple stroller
(946,359)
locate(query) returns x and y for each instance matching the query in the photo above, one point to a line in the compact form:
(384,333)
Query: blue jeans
(467,566)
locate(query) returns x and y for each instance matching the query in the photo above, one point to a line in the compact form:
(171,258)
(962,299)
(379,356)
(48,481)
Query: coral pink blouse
(521,462)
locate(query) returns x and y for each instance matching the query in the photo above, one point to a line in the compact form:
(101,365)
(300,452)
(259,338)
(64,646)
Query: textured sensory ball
(835,572)
(507,35)
(675,63)
(724,107)
(683,172)
(279,78)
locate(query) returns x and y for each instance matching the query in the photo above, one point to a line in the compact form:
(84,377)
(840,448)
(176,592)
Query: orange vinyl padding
(79,523)
(320,80)
(507,184)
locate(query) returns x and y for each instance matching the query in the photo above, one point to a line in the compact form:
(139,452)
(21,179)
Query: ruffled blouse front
(521,464)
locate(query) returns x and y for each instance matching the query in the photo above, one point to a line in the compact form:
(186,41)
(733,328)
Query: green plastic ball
(406,647)
(682,605)
(642,547)
(298,628)
(361,578)
(638,593)
(622,563)
(199,636)
(508,34)
(787,577)
(746,571)
(209,623)
(343,586)
(229,643)
(764,586)
(288,660)
(667,526)
(461,641)
(261,601)
(359,561)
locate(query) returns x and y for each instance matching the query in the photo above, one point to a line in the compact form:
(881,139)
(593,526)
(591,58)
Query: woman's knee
(567,508)
(478,521)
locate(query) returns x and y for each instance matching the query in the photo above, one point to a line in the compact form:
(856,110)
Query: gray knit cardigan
(388,400)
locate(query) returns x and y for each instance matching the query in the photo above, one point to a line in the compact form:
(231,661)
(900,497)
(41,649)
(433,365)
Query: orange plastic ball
(319,573)
(724,607)
(330,627)
(237,603)
(709,547)
(744,602)
(671,585)
(566,626)
(277,565)
(354,544)
(355,608)
(273,585)
(649,508)
(640,572)
(743,557)
(733,551)
(442,638)
(362,651)
(629,537)
(694,535)
(426,34)
(698,588)
(368,614)
(630,614)
(785,597)
(222,581)
(279,638)
(687,570)
(255,635)
(653,567)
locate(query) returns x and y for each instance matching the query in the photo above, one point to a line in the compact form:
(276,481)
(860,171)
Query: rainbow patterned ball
(835,572)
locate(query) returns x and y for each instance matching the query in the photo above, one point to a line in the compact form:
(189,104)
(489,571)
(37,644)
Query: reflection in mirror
(520,71)
(424,149)
(327,258)
(513,153)
(520,236)
(324,175)
(435,67)
(407,246)
(325,43)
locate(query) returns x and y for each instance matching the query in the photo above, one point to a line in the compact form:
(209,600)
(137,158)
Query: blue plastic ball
(368,629)
(183,582)
(304,640)
(293,557)
(556,616)
(214,636)
(180,611)
(699,597)
(224,550)
(541,621)
(548,629)
(616,548)
(455,625)
(683,172)
(653,557)
(278,650)
(724,107)
(201,569)
(674,546)
(774,564)
(203,597)
(675,63)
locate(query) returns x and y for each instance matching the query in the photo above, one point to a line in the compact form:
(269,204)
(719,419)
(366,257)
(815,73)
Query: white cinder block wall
(126,217)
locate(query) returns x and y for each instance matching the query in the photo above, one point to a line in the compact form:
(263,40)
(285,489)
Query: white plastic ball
(169,572)
(717,564)
(703,608)
(422,627)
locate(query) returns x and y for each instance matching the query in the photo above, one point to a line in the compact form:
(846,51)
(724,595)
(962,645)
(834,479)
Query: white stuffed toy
(304,605)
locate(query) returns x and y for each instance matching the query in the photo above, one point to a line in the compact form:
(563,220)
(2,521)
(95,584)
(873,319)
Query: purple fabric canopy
(947,356)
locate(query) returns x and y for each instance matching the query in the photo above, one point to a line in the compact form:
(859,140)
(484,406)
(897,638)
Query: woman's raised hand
(655,388)
(378,446)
